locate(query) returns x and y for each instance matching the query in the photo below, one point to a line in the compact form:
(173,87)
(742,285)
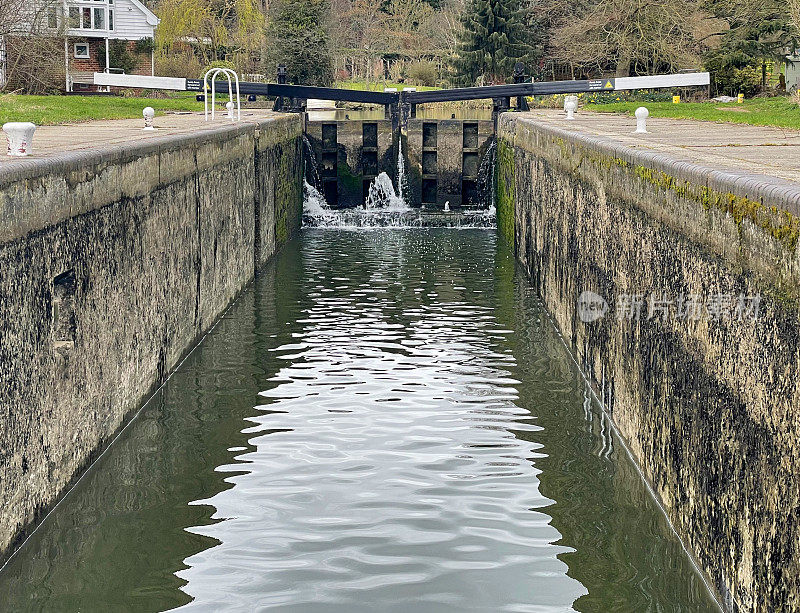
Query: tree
(299,36)
(215,28)
(31,46)
(753,33)
(640,36)
(494,38)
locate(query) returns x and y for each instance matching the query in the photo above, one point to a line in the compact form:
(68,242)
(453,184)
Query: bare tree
(31,45)
(639,35)
(794,11)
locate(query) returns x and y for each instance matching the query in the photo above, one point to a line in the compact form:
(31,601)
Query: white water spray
(382,195)
(401,172)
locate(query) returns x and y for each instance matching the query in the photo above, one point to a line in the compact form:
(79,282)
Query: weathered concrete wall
(115,262)
(446,156)
(351,159)
(708,406)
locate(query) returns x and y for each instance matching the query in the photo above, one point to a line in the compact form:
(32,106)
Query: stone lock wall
(115,263)
(708,406)
(350,154)
(444,156)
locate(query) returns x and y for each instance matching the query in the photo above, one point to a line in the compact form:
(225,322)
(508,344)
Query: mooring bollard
(447,206)
(20,137)
(148,113)
(570,106)
(230,106)
(641,120)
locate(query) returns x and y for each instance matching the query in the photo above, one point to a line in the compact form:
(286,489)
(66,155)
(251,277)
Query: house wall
(130,23)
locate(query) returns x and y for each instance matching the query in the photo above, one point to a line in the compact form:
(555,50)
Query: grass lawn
(48,110)
(780,111)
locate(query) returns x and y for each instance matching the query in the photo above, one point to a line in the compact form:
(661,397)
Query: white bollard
(641,120)
(148,113)
(230,106)
(447,206)
(570,106)
(20,138)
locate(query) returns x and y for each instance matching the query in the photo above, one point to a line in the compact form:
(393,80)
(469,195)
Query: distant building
(91,24)
(88,26)
(791,71)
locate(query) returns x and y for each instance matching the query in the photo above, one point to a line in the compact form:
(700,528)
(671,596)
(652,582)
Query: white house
(87,27)
(91,24)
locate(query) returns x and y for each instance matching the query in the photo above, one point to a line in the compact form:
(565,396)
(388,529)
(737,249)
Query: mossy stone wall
(709,407)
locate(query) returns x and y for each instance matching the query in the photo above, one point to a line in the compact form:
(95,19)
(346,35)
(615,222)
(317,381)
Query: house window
(92,17)
(82,51)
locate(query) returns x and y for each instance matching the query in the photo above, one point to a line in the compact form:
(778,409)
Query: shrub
(732,81)
(423,73)
(119,56)
(35,64)
(179,64)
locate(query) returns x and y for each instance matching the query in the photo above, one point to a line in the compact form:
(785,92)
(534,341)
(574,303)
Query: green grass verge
(50,110)
(780,111)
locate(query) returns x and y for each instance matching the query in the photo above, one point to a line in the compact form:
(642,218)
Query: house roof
(149,15)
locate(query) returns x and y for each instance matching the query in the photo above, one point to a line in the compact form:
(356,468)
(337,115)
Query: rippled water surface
(386,421)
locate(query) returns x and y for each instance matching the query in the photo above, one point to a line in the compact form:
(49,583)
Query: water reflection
(386,421)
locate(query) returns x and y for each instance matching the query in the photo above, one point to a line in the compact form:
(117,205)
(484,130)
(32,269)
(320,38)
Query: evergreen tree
(299,36)
(494,38)
(755,33)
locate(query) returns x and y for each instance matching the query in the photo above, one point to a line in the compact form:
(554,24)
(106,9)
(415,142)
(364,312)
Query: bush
(119,56)
(144,46)
(219,64)
(35,64)
(731,80)
(181,64)
(423,73)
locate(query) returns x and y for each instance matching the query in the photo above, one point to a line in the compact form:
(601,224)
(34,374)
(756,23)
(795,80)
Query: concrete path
(49,140)
(769,151)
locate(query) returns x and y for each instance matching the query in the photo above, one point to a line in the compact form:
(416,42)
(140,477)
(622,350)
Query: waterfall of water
(402,180)
(310,168)
(487,178)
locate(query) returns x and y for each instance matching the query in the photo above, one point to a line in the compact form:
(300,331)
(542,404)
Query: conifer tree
(299,35)
(495,37)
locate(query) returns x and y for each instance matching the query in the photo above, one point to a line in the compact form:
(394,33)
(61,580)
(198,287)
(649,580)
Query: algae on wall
(506,190)
(117,262)
(707,407)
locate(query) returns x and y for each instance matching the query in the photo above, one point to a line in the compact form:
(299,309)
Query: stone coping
(766,189)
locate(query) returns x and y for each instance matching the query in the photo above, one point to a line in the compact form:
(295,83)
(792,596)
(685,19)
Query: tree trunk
(623,67)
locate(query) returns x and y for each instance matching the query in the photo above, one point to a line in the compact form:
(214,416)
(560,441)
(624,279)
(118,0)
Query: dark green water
(386,421)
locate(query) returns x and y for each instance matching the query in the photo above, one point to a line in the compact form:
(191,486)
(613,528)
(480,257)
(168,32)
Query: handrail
(228,74)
